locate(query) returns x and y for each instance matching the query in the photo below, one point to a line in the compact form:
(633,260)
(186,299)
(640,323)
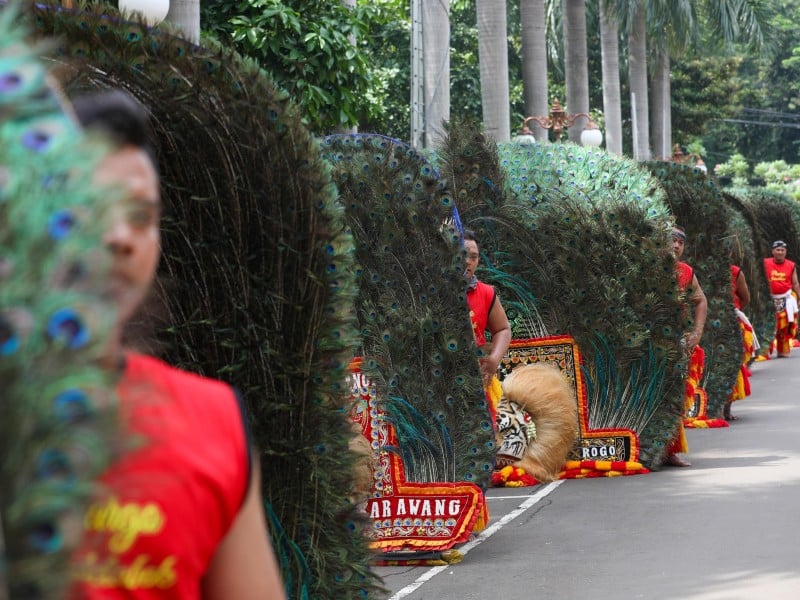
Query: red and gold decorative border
(397,508)
(696,399)
(597,452)
(700,418)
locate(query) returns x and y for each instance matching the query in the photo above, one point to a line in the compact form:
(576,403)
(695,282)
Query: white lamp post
(591,135)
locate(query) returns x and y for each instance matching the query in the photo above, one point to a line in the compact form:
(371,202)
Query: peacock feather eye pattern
(9,339)
(67,326)
(72,405)
(53,322)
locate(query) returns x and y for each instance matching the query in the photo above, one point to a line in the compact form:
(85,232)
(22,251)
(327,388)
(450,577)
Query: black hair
(119,116)
(125,121)
(468,234)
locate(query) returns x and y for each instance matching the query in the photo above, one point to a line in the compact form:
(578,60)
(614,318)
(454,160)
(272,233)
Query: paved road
(727,528)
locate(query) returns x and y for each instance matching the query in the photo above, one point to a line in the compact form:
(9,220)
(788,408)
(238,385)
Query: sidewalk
(726,528)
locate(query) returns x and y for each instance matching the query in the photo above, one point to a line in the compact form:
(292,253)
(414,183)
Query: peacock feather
(625,399)
(57,412)
(256,279)
(581,238)
(416,337)
(748,246)
(471,166)
(697,206)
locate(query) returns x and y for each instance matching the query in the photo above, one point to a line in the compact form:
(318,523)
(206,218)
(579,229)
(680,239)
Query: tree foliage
(765,129)
(307,46)
(703,89)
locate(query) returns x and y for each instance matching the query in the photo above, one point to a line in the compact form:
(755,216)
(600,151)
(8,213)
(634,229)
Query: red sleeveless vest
(685,274)
(737,302)
(171,499)
(480,300)
(779,275)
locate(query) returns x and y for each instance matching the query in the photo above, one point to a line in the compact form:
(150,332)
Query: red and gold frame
(597,452)
(696,399)
(408,516)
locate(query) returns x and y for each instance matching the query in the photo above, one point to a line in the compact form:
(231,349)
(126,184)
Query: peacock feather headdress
(416,337)
(747,246)
(698,207)
(57,418)
(582,237)
(471,166)
(257,283)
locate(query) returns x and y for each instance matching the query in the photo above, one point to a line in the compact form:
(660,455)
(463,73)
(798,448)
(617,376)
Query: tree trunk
(661,112)
(609,49)
(576,69)
(354,128)
(637,75)
(185,15)
(534,62)
(436,69)
(493,58)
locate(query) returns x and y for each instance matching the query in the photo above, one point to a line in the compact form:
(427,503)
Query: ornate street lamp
(558,120)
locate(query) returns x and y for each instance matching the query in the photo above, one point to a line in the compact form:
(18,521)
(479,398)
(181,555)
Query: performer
(741,299)
(183,515)
(783,284)
(486,313)
(687,282)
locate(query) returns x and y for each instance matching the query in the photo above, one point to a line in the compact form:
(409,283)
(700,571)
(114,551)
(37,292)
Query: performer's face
(132,235)
(677,246)
(779,254)
(471,248)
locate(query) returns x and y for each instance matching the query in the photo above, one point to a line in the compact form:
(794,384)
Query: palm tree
(185,15)
(534,61)
(436,69)
(609,50)
(672,25)
(673,28)
(637,76)
(354,128)
(576,70)
(660,111)
(493,58)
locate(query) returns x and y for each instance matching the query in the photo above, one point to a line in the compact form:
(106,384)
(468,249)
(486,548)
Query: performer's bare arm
(795,283)
(742,291)
(500,329)
(244,566)
(700,303)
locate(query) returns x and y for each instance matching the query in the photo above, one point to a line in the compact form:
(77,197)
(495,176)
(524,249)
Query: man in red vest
(782,277)
(688,284)
(183,515)
(486,313)
(741,298)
